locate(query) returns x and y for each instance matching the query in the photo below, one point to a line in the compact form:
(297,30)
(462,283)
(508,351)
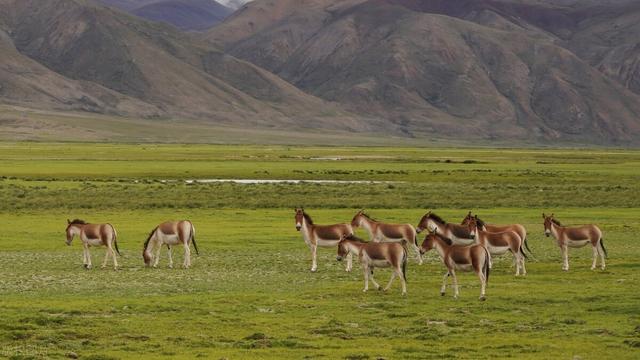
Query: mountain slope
(464,68)
(153,66)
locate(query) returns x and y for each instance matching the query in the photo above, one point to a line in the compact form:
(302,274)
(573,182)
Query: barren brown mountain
(471,68)
(73,54)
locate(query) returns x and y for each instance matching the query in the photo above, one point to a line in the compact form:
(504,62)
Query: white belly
(170,239)
(379,263)
(577,243)
(464,267)
(497,250)
(327,243)
(94,242)
(463,242)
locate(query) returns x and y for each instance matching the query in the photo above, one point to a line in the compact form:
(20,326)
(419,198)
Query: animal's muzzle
(298,227)
(418,230)
(339,258)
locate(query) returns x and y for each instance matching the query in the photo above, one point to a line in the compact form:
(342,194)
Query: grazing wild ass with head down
(521,230)
(170,233)
(458,257)
(499,243)
(458,234)
(321,235)
(376,255)
(576,237)
(94,235)
(381,232)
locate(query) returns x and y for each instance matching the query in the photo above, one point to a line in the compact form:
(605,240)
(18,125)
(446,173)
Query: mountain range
(544,71)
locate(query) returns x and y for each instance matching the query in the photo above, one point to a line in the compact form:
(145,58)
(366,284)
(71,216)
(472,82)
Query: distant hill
(72,54)
(184,14)
(468,68)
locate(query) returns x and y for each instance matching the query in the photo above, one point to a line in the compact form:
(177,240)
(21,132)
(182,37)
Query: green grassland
(250,294)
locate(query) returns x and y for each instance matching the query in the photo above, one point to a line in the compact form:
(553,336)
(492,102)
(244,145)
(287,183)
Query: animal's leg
(417,251)
(595,257)
(601,251)
(314,263)
(106,258)
(565,254)
(373,280)
(187,256)
(84,256)
(522,268)
(349,262)
(455,283)
(366,270)
(170,258)
(483,283)
(88,266)
(157,255)
(444,283)
(393,275)
(516,260)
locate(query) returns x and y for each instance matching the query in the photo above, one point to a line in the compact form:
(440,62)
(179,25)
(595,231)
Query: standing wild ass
(458,257)
(458,234)
(499,243)
(373,255)
(170,233)
(575,237)
(94,235)
(381,232)
(321,235)
(521,230)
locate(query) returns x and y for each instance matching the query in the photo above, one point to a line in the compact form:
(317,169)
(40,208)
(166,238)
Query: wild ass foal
(576,237)
(170,233)
(499,243)
(521,230)
(373,255)
(321,235)
(458,234)
(94,235)
(458,257)
(382,232)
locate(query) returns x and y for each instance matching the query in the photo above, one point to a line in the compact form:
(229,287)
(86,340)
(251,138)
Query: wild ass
(457,257)
(382,232)
(321,235)
(499,243)
(94,235)
(170,233)
(521,230)
(576,237)
(458,234)
(376,255)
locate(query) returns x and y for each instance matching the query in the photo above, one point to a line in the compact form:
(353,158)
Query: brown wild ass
(94,235)
(170,233)
(499,243)
(575,237)
(381,232)
(376,255)
(457,257)
(458,234)
(321,235)
(521,230)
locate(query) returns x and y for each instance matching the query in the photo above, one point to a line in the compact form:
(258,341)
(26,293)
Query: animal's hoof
(404,293)
(314,270)
(442,294)
(603,268)
(103,266)
(483,298)
(365,290)
(593,268)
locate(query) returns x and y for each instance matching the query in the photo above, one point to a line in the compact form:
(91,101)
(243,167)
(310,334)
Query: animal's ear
(543,216)
(68,221)
(476,217)
(469,213)
(552,214)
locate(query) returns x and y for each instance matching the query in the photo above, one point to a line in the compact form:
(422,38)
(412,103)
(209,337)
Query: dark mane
(480,223)
(436,218)
(307,218)
(78,222)
(444,238)
(354,238)
(146,242)
(556,222)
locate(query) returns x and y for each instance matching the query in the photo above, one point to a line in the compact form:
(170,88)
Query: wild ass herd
(465,247)
(462,247)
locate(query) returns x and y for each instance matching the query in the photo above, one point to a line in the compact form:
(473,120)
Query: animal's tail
(404,265)
(115,239)
(603,248)
(523,253)
(485,266)
(415,239)
(193,238)
(526,245)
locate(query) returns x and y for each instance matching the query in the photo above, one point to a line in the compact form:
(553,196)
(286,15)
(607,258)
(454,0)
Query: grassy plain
(250,293)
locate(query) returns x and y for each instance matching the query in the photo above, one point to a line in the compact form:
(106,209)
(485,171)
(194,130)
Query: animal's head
(73,229)
(466,219)
(424,221)
(358,218)
(429,242)
(343,250)
(473,225)
(299,218)
(548,221)
(146,255)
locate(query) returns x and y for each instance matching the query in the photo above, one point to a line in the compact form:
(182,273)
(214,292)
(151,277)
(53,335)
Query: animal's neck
(440,247)
(306,229)
(368,225)
(555,229)
(354,246)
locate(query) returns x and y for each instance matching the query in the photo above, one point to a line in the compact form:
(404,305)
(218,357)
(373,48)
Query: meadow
(250,293)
